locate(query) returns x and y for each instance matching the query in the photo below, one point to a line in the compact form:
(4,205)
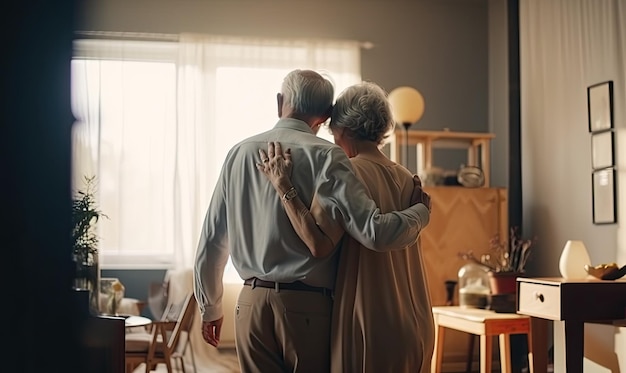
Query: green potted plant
(85,215)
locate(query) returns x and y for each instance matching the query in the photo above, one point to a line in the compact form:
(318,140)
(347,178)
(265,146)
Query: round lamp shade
(407,104)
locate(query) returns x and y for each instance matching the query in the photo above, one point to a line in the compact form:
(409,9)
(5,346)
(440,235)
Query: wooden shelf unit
(476,143)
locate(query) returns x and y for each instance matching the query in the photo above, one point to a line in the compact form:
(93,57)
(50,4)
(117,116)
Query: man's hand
(211,331)
(419,196)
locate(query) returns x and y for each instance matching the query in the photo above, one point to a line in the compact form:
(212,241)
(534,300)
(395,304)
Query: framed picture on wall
(602,151)
(603,190)
(600,106)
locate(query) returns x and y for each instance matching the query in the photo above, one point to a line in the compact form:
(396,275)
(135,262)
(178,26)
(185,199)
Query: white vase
(573,260)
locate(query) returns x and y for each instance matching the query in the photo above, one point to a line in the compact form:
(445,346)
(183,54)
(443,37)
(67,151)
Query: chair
(167,339)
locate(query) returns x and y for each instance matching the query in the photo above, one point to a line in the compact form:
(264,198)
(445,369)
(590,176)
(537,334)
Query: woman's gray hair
(364,110)
(308,92)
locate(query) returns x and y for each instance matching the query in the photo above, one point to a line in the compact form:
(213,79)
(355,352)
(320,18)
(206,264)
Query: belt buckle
(277,287)
(253,282)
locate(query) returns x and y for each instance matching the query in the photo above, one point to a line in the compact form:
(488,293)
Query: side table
(570,304)
(135,321)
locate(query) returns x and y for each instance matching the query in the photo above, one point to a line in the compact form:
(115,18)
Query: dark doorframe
(515,158)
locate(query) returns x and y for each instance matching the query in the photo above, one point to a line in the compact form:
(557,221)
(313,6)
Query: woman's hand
(277,166)
(419,195)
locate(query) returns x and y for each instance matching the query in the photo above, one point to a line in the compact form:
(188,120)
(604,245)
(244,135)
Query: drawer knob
(539,296)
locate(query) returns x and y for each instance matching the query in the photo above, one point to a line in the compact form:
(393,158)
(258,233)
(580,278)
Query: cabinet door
(462,219)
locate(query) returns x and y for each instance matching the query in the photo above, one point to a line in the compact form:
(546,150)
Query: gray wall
(498,87)
(137,283)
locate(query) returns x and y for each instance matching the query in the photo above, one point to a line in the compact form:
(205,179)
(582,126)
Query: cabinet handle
(539,296)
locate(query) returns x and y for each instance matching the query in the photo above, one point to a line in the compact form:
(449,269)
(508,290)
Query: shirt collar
(294,124)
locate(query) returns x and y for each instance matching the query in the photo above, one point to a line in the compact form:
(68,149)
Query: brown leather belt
(297,285)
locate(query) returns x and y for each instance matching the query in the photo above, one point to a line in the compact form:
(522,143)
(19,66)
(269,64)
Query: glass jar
(473,286)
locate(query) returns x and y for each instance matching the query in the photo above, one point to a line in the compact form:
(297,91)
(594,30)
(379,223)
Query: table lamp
(407,107)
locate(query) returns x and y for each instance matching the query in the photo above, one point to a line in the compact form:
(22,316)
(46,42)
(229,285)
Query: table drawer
(540,300)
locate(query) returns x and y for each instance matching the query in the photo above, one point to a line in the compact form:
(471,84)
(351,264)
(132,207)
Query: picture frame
(602,150)
(600,106)
(604,202)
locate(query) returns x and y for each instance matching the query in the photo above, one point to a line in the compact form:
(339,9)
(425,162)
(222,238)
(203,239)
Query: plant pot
(88,278)
(503,282)
(503,291)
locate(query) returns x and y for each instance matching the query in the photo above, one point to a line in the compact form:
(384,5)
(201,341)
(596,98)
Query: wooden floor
(225,362)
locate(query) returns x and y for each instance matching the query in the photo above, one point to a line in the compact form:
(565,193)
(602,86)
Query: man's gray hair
(308,92)
(364,110)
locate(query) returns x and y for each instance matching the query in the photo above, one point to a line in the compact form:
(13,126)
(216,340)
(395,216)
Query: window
(154,123)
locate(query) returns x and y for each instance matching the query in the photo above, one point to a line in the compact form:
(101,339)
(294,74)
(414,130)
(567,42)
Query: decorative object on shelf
(450,286)
(451,178)
(609,271)
(407,107)
(573,260)
(471,176)
(473,286)
(85,215)
(433,176)
(111,295)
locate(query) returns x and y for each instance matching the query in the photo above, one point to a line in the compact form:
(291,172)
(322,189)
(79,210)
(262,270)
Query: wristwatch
(290,194)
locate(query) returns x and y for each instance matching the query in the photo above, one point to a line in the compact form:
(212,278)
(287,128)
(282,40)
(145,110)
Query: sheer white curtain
(227,91)
(124,101)
(85,131)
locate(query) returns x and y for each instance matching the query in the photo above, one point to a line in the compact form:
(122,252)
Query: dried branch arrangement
(504,256)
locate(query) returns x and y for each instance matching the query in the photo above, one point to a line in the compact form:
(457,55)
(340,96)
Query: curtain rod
(127,35)
(155,36)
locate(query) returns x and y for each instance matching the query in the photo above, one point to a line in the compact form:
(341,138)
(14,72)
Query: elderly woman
(382,318)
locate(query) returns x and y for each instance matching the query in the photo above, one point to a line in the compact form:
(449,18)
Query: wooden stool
(486,324)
